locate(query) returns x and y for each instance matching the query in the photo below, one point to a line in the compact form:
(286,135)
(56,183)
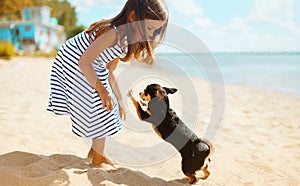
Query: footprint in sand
(288,146)
(248,184)
(265,168)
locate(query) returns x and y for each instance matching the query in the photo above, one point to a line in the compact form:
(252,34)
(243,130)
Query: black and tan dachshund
(195,152)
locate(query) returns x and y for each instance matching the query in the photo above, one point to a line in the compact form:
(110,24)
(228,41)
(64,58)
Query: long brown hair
(144,9)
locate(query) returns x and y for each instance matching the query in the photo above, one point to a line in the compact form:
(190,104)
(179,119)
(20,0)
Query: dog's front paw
(130,93)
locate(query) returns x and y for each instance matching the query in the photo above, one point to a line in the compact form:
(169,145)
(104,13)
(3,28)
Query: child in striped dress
(82,82)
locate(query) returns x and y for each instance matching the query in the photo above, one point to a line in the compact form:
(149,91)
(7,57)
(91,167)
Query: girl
(82,82)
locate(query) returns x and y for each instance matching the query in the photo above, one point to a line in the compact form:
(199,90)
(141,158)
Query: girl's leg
(101,150)
(98,150)
(97,153)
(91,153)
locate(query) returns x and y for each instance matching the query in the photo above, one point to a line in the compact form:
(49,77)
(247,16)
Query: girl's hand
(122,111)
(107,100)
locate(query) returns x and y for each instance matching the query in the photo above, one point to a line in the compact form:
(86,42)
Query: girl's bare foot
(90,156)
(108,161)
(100,161)
(106,167)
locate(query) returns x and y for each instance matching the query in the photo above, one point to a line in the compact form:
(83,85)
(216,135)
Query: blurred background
(255,42)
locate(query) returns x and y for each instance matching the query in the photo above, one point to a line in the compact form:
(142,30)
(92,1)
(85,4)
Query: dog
(195,152)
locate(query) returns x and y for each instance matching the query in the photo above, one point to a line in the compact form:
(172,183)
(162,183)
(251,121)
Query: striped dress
(71,93)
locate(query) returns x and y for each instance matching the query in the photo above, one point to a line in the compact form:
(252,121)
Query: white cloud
(97,3)
(237,24)
(269,26)
(276,12)
(90,11)
(203,23)
(272,11)
(184,9)
(86,5)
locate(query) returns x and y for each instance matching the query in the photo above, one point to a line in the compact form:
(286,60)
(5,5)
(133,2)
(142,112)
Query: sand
(257,144)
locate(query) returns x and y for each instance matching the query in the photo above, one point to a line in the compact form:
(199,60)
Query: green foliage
(76,31)
(62,10)
(7,50)
(65,14)
(52,54)
(11,9)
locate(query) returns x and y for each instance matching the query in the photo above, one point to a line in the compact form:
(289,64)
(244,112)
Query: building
(36,31)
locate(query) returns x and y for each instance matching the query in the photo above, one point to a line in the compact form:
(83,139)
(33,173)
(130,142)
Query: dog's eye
(146,94)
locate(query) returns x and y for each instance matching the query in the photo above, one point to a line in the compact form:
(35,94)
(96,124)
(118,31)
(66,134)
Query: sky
(223,25)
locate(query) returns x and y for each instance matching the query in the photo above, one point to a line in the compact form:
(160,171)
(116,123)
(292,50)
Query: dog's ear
(170,90)
(161,93)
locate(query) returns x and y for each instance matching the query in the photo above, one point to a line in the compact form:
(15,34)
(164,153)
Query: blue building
(36,31)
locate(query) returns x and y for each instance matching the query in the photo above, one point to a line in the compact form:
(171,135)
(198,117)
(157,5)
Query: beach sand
(258,143)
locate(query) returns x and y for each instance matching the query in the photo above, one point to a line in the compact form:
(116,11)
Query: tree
(62,10)
(11,9)
(76,30)
(65,14)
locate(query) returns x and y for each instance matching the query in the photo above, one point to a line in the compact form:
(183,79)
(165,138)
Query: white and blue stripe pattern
(71,93)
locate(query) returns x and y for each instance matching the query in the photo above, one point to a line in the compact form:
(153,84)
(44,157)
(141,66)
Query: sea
(276,72)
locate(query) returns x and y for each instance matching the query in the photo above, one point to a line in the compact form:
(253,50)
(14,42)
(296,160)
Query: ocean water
(279,72)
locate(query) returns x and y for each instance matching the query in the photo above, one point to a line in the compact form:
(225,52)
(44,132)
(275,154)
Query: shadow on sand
(22,168)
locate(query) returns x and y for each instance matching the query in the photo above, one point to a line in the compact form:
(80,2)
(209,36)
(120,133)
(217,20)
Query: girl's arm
(111,66)
(85,64)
